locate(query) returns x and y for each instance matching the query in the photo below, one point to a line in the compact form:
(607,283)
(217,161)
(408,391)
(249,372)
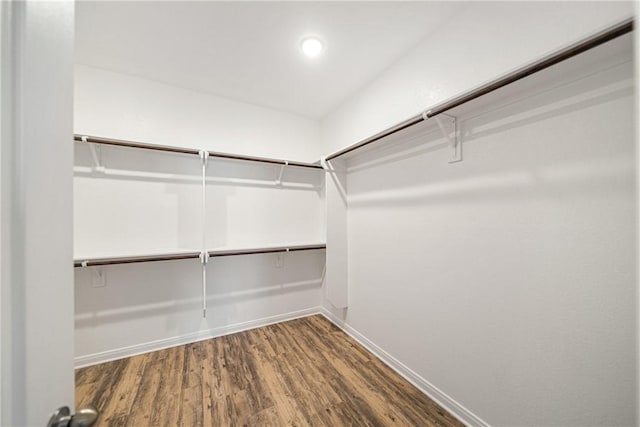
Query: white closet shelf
(168,254)
(182,150)
(188,254)
(220,252)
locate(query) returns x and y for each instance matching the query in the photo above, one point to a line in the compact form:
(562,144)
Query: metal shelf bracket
(279,179)
(449,127)
(96,154)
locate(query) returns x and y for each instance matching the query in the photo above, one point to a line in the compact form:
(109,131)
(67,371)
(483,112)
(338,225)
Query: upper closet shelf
(166,148)
(189,254)
(561,55)
(103,259)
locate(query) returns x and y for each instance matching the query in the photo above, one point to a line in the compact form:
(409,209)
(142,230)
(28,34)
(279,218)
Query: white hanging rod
(88,262)
(192,255)
(170,149)
(568,52)
(230,252)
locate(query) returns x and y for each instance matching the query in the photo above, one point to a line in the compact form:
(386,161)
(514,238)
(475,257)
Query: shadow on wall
(171,290)
(131,164)
(146,200)
(561,170)
(84,320)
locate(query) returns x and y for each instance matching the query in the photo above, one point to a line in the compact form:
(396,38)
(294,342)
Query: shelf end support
(96,154)
(449,127)
(204,260)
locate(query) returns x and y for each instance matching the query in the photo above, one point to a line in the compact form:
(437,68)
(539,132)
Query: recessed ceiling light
(311,46)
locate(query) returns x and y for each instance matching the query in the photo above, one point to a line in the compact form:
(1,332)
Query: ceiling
(249,51)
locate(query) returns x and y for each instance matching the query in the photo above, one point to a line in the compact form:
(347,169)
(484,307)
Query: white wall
(150,202)
(125,107)
(149,306)
(245,215)
(507,281)
(484,40)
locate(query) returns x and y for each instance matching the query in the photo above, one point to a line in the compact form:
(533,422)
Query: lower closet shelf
(189,254)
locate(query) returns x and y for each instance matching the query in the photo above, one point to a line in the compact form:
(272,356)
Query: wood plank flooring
(305,372)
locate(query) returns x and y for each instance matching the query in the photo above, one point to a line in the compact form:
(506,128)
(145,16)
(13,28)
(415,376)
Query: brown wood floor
(304,372)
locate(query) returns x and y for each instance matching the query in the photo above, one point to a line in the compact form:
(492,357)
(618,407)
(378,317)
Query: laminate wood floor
(304,372)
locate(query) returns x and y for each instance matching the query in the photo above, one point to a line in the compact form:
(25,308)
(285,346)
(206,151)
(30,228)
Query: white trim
(37,191)
(123,352)
(6,118)
(437,395)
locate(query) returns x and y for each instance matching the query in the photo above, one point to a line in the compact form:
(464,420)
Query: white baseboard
(437,395)
(121,353)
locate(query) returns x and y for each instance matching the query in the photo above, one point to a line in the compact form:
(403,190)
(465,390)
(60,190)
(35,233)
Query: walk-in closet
(313,213)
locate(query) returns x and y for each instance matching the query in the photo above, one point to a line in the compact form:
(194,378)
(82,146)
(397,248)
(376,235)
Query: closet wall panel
(248,208)
(145,202)
(504,285)
(148,202)
(508,280)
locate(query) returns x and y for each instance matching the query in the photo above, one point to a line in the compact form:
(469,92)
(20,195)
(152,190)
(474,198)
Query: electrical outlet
(98,278)
(279,260)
